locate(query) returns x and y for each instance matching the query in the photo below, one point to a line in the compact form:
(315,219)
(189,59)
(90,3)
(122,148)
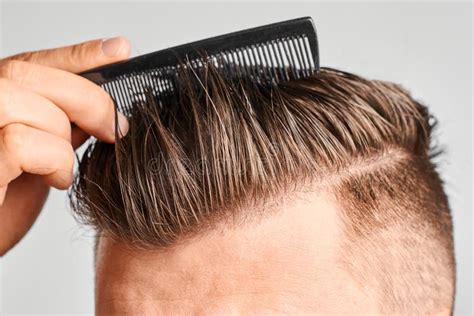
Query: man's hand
(40,96)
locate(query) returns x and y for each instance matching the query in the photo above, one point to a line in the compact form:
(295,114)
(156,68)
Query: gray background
(426,47)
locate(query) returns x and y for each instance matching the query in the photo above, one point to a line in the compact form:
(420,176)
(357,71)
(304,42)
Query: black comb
(268,54)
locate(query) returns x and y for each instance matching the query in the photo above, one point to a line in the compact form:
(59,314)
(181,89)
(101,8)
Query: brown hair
(229,146)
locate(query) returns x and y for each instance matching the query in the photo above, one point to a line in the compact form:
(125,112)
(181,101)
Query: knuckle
(16,70)
(14,138)
(27,56)
(9,68)
(78,54)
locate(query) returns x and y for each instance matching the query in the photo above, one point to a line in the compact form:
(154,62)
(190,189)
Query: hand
(40,96)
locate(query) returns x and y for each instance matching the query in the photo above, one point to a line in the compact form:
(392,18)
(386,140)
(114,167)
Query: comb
(267,54)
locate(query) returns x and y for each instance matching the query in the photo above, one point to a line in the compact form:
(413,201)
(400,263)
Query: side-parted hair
(222,148)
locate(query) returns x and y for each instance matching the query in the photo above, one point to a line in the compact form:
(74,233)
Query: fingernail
(112,46)
(123,125)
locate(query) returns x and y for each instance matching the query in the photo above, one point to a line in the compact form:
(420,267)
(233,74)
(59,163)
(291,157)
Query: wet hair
(223,148)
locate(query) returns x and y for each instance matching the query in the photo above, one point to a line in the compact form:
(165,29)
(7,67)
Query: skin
(285,263)
(40,98)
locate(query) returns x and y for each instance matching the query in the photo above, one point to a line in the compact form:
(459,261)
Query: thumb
(80,57)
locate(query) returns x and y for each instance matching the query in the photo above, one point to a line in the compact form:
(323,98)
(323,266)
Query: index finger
(85,103)
(79,57)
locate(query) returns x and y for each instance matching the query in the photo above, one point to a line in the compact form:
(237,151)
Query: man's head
(317,195)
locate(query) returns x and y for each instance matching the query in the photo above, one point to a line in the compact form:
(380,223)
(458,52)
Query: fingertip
(116,47)
(122,128)
(127,47)
(123,125)
(60,179)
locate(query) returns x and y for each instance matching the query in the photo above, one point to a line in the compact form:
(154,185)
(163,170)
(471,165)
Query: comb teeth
(270,54)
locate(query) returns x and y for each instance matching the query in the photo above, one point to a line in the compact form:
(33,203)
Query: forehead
(274,262)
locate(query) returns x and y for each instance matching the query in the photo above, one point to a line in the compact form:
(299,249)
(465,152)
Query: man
(316,196)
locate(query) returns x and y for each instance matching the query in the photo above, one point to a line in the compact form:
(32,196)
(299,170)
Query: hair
(221,148)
